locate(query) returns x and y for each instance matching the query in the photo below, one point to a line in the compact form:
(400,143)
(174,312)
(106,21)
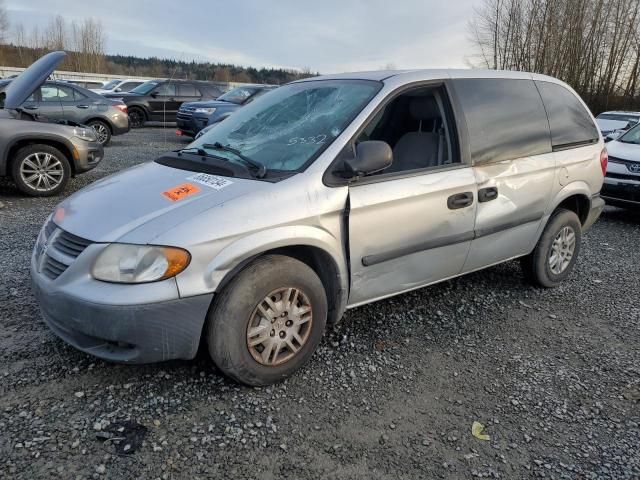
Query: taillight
(122,108)
(604,160)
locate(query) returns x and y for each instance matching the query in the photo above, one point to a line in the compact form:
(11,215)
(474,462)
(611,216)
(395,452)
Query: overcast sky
(326,36)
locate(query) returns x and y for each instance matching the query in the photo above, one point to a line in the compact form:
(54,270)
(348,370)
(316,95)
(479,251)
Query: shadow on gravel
(622,215)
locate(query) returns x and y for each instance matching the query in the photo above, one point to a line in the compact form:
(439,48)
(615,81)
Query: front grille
(61,249)
(185,112)
(52,268)
(623,176)
(70,244)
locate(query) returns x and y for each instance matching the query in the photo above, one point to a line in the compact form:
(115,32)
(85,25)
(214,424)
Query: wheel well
(98,119)
(139,107)
(320,262)
(579,204)
(40,141)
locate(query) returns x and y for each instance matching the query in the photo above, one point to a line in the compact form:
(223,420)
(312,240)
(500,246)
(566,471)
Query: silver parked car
(41,157)
(61,101)
(322,195)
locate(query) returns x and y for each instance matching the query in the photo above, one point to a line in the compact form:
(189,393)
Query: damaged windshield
(290,126)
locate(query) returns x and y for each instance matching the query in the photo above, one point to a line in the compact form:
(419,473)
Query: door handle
(487,194)
(82,106)
(460,200)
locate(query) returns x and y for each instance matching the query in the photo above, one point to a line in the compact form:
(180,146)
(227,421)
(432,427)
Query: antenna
(164,102)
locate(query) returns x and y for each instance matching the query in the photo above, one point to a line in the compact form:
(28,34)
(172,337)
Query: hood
(143,202)
(209,104)
(28,81)
(624,151)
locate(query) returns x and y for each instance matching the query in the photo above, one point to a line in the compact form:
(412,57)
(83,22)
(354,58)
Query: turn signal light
(604,160)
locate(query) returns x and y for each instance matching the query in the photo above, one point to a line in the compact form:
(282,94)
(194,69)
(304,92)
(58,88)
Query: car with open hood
(325,194)
(39,156)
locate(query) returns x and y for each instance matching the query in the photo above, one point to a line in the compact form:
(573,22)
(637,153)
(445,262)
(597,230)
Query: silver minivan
(322,195)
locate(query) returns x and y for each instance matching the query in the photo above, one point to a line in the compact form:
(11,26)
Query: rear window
(570,122)
(505,118)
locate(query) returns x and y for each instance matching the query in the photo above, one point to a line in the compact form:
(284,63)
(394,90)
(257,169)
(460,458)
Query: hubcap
(42,171)
(279,326)
(101,132)
(562,250)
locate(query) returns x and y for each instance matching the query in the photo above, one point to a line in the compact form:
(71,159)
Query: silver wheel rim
(562,250)
(279,326)
(101,132)
(42,171)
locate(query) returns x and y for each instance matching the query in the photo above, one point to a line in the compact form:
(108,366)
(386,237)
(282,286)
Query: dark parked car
(55,101)
(194,116)
(159,100)
(39,156)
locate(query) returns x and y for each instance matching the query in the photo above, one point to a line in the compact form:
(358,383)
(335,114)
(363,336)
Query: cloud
(327,36)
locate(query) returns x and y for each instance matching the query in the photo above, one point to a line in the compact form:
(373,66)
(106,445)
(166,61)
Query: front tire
(40,170)
(102,130)
(268,321)
(555,255)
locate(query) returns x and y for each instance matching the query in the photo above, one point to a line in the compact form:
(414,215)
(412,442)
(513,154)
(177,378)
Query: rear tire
(555,255)
(40,170)
(102,130)
(267,322)
(137,117)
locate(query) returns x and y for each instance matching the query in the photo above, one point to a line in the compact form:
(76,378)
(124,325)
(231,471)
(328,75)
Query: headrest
(424,108)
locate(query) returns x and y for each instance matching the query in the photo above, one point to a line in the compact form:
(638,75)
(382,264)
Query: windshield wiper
(261,168)
(197,150)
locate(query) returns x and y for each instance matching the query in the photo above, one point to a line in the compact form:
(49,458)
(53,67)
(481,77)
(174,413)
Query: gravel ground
(554,375)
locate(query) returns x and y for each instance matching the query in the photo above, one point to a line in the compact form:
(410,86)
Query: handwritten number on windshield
(314,140)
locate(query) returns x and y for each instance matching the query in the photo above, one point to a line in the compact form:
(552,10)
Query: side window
(418,126)
(65,94)
(505,118)
(166,89)
(187,90)
(49,93)
(570,122)
(78,95)
(128,86)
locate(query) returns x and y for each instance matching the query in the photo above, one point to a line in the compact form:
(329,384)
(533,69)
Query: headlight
(122,263)
(86,134)
(208,111)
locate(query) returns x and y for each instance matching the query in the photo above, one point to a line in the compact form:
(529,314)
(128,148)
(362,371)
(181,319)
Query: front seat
(419,149)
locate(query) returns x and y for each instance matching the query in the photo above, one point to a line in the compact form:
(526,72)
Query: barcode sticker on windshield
(212,181)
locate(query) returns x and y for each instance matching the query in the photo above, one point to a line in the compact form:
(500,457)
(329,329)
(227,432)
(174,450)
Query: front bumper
(122,323)
(120,124)
(192,125)
(622,192)
(86,155)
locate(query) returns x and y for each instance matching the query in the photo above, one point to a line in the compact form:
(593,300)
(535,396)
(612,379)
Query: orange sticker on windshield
(181,191)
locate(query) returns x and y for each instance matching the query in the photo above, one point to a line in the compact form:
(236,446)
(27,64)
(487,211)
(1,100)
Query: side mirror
(154,94)
(371,156)
(118,89)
